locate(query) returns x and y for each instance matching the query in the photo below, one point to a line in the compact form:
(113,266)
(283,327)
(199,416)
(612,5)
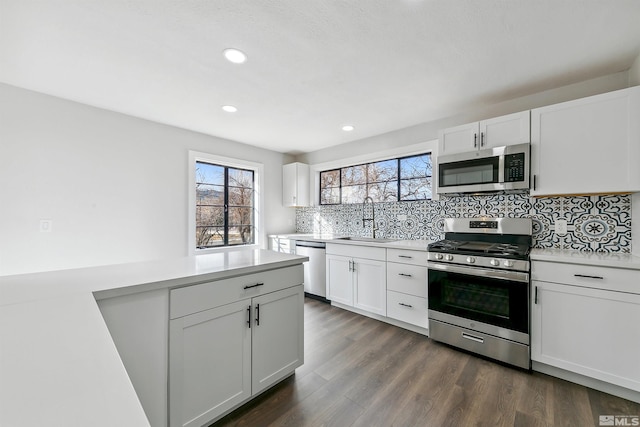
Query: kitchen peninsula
(60,360)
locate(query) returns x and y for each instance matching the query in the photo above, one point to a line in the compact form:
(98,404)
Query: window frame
(397,181)
(228,162)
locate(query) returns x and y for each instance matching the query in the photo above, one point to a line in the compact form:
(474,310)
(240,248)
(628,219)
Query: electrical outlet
(46,225)
(561,227)
(402,217)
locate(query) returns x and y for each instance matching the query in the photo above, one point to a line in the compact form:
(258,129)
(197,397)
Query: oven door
(480,298)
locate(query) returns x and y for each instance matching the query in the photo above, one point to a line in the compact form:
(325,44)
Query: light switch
(46,225)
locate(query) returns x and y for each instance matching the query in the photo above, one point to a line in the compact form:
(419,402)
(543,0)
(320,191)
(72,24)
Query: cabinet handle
(249,316)
(404,275)
(589,277)
(475,140)
(405,305)
(535,298)
(258,314)
(353,266)
(473,338)
(405,256)
(534,182)
(253,286)
(481,139)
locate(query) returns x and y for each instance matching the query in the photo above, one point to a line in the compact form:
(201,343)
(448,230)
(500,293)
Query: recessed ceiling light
(229,108)
(234,55)
(347,128)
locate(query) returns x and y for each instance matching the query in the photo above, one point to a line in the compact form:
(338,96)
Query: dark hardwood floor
(361,372)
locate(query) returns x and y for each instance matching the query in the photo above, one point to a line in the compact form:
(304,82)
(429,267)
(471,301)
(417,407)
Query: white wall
(114,186)
(429,130)
(634,80)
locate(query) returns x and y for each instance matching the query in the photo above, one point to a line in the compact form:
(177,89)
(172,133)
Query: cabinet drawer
(192,299)
(407,308)
(408,279)
(357,251)
(613,279)
(407,256)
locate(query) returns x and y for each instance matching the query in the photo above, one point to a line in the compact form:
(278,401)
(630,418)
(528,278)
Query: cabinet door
(459,139)
(505,130)
(339,279)
(278,336)
(370,285)
(589,145)
(209,364)
(295,184)
(588,331)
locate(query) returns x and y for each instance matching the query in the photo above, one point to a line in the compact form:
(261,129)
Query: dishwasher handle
(307,244)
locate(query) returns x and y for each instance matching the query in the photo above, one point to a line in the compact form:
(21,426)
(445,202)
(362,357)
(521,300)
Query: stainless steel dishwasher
(315,270)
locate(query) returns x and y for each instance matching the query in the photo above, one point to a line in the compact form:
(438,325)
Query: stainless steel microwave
(492,169)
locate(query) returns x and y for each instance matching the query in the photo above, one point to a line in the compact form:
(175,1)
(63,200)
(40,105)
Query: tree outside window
(399,179)
(225,206)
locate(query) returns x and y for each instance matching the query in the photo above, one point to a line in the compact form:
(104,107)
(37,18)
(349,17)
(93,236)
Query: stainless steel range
(479,287)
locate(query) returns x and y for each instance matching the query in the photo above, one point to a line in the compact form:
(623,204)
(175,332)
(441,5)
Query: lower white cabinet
(357,281)
(585,325)
(222,356)
(407,286)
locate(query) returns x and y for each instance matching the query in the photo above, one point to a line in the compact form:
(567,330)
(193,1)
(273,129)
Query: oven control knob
(508,263)
(448,257)
(439,256)
(494,262)
(471,259)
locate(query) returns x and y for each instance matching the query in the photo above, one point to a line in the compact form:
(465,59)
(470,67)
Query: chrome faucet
(373,215)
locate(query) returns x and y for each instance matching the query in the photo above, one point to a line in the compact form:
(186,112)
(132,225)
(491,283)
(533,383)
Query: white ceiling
(313,65)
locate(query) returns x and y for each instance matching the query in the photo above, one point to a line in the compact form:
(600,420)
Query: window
(224,202)
(405,178)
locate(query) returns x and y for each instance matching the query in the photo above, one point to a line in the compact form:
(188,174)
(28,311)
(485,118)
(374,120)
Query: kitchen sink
(367,239)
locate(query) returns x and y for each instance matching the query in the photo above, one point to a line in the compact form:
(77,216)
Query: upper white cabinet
(295,184)
(587,146)
(496,132)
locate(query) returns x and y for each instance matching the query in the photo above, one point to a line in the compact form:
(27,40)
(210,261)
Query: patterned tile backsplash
(594,223)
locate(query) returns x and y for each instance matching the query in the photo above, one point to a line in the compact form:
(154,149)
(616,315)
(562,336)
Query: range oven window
(498,302)
(484,300)
(468,172)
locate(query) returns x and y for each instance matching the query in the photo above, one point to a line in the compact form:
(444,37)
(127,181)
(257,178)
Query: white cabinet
(230,340)
(282,244)
(587,146)
(584,320)
(407,286)
(209,363)
(356,277)
(295,184)
(277,337)
(499,131)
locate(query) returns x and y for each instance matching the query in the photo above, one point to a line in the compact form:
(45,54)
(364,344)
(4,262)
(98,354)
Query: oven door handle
(516,276)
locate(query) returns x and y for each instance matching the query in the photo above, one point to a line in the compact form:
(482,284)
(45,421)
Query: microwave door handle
(501,169)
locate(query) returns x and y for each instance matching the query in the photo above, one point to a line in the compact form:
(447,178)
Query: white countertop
(615,260)
(420,245)
(58,363)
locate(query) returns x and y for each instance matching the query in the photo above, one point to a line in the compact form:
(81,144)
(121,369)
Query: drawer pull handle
(405,256)
(589,277)
(404,275)
(254,286)
(473,338)
(405,305)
